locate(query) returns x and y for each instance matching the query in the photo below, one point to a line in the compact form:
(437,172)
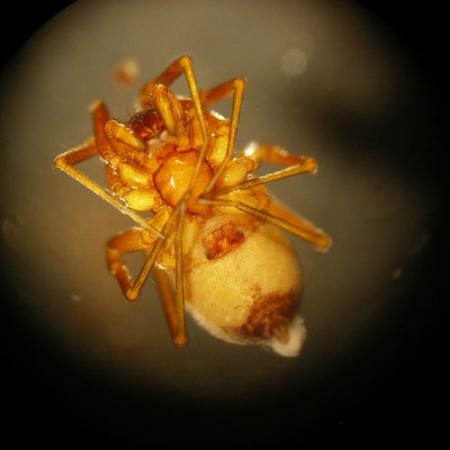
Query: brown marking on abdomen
(222,240)
(269,316)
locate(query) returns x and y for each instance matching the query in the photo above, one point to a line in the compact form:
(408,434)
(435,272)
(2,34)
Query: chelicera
(213,221)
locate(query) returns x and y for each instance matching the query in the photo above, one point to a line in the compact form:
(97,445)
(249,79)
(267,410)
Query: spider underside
(176,159)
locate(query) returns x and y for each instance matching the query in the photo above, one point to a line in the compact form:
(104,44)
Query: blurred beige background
(324,79)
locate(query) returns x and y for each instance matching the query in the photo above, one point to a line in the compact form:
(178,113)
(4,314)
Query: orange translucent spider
(213,241)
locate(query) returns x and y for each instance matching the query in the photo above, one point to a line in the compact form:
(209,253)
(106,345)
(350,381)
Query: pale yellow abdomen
(249,293)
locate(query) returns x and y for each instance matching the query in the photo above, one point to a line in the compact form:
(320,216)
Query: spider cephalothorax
(211,236)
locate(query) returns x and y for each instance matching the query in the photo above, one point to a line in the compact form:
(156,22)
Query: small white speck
(250,150)
(296,337)
(293,62)
(76,298)
(126,72)
(397,273)
(10,231)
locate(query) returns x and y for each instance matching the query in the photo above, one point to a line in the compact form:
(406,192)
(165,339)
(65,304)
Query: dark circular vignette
(392,384)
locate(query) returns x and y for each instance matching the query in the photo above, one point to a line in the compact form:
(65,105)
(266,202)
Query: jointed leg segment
(134,290)
(155,93)
(180,337)
(236,88)
(275,212)
(174,312)
(282,218)
(307,166)
(133,240)
(179,66)
(273,154)
(129,241)
(168,302)
(65,161)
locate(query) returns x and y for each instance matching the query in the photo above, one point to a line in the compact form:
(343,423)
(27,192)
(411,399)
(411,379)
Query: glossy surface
(173,177)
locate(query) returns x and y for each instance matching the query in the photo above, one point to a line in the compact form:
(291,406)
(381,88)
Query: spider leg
(131,240)
(134,240)
(283,218)
(311,233)
(180,337)
(275,212)
(138,198)
(65,162)
(155,92)
(134,290)
(168,300)
(169,75)
(170,109)
(174,307)
(274,154)
(100,116)
(307,165)
(122,138)
(235,88)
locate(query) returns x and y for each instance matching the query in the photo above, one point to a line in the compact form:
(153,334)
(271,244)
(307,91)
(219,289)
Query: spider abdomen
(250,293)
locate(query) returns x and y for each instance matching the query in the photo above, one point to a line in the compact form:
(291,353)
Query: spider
(213,241)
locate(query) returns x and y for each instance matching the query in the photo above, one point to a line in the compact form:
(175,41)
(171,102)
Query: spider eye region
(174,176)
